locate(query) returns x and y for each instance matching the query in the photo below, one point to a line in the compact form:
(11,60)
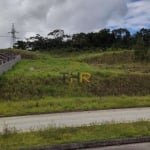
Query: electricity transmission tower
(13,35)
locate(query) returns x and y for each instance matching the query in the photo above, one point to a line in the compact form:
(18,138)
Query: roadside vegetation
(35,84)
(55,105)
(13,140)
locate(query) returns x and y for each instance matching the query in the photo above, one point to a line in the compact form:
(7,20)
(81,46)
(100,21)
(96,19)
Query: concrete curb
(93,144)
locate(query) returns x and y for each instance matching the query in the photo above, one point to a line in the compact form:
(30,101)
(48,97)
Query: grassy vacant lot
(12,140)
(51,104)
(35,84)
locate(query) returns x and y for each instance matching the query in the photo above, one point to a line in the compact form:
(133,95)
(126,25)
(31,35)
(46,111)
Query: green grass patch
(49,66)
(12,140)
(38,75)
(53,105)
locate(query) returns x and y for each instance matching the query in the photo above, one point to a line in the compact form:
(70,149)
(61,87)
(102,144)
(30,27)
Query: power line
(13,35)
(4,36)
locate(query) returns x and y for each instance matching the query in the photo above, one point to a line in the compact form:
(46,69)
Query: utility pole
(13,35)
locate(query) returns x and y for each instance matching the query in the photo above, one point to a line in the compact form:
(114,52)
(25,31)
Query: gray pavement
(140,146)
(26,123)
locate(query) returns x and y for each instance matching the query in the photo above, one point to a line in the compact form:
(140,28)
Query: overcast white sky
(42,16)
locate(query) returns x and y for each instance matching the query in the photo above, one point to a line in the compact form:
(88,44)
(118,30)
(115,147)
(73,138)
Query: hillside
(113,73)
(36,84)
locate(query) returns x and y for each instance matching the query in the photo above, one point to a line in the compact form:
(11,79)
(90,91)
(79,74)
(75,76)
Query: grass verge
(12,140)
(51,105)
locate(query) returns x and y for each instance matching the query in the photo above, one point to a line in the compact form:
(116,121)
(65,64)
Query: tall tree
(122,38)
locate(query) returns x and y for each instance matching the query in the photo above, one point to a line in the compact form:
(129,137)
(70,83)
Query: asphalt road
(26,123)
(140,146)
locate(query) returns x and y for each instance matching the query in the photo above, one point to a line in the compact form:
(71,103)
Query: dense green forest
(105,39)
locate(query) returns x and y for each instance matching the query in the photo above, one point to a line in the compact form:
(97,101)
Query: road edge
(93,144)
(73,111)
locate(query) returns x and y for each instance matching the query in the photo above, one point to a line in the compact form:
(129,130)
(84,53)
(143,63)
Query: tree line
(104,39)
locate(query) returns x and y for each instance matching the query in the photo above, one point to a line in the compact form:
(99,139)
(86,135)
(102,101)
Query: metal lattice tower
(13,35)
